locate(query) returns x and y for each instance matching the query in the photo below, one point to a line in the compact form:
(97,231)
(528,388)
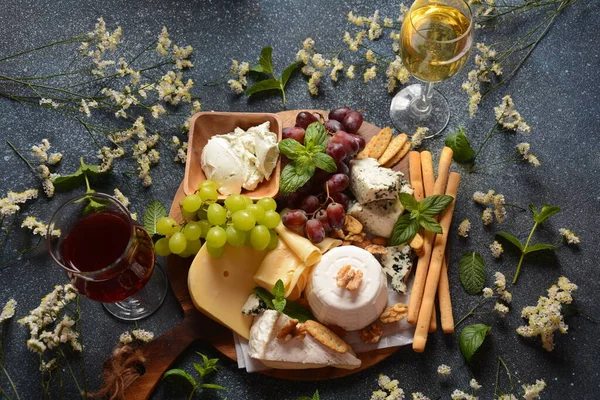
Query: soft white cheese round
(223,166)
(349,309)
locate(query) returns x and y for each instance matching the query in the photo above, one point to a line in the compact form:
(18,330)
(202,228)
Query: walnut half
(372,333)
(292,330)
(349,278)
(394,313)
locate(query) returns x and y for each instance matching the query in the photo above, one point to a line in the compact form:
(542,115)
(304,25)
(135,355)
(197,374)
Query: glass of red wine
(107,256)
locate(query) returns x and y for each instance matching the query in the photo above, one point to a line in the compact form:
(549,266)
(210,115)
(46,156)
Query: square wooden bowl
(205,125)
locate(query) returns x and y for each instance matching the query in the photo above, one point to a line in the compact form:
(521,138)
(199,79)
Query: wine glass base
(406,117)
(145,301)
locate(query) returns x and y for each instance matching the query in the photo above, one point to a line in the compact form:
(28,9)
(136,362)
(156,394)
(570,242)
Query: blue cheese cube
(397,263)
(254,305)
(377,217)
(371,182)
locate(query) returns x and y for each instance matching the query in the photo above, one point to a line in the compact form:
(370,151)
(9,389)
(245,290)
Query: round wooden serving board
(163,351)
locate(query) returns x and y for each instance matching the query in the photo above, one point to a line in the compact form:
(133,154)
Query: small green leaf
(408,201)
(200,369)
(404,230)
(258,68)
(292,178)
(315,135)
(154,211)
(539,247)
(279,289)
(434,204)
(547,212)
(266,59)
(267,84)
(430,224)
(471,339)
(471,272)
(316,396)
(279,304)
(297,311)
(511,239)
(211,386)
(324,162)
(534,211)
(265,296)
(69,182)
(460,145)
(291,148)
(285,75)
(182,374)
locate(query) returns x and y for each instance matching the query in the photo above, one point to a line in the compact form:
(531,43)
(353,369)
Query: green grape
(192,230)
(215,252)
(248,200)
(205,225)
(235,237)
(191,203)
(271,219)
(185,254)
(188,215)
(161,247)
(208,193)
(209,184)
(267,203)
(177,243)
(260,237)
(193,246)
(216,237)
(274,242)
(167,226)
(216,214)
(257,211)
(235,202)
(243,220)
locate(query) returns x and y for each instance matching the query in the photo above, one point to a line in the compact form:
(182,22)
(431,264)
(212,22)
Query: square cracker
(377,144)
(393,148)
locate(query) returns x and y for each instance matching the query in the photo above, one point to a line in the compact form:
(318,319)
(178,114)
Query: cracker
(326,336)
(399,156)
(377,144)
(352,225)
(393,148)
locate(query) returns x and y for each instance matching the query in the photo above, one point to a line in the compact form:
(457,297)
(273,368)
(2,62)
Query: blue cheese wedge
(378,217)
(371,182)
(398,263)
(254,305)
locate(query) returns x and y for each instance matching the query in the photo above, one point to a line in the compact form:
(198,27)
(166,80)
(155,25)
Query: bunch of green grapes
(238,222)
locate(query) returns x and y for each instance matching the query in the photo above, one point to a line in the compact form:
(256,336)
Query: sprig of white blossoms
(482,73)
(171,88)
(102,40)
(545,318)
(464,228)
(524,150)
(388,389)
(314,65)
(370,74)
(496,249)
(509,118)
(44,102)
(136,334)
(40,152)
(164,43)
(107,156)
(533,391)
(9,205)
(38,227)
(180,54)
(569,236)
(501,292)
(482,7)
(418,137)
(444,369)
(8,311)
(491,198)
(460,395)
(239,70)
(396,72)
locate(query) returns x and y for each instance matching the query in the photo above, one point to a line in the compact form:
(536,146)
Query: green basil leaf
(539,247)
(279,290)
(471,272)
(266,59)
(291,148)
(292,178)
(279,304)
(297,311)
(471,338)
(211,386)
(69,182)
(180,373)
(511,239)
(430,224)
(267,84)
(408,201)
(404,230)
(285,75)
(265,296)
(324,162)
(461,146)
(154,211)
(547,212)
(315,135)
(434,204)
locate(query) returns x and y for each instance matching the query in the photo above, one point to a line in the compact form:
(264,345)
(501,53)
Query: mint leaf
(539,247)
(265,296)
(404,230)
(293,177)
(267,84)
(471,272)
(182,374)
(279,304)
(211,386)
(471,338)
(511,239)
(433,205)
(266,59)
(408,201)
(285,75)
(69,182)
(324,162)
(430,224)
(460,145)
(154,211)
(315,136)
(547,212)
(291,148)
(279,290)
(291,309)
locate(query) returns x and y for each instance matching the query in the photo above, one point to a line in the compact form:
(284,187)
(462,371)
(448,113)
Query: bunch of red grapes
(320,205)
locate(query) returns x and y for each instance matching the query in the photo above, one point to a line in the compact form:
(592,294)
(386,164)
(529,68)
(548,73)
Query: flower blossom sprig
(418,137)
(464,228)
(9,205)
(38,227)
(569,236)
(314,65)
(239,70)
(490,199)
(8,311)
(496,249)
(498,293)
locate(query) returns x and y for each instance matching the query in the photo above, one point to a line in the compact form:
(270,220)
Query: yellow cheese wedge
(306,251)
(219,288)
(327,244)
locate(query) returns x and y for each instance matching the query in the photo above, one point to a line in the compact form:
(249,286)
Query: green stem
(507,373)
(31,85)
(65,41)
(23,158)
(468,314)
(497,376)
(523,252)
(12,384)
(488,137)
(81,392)
(192,393)
(78,328)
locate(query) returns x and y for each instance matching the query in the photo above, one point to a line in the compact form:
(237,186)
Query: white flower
(533,391)
(54,158)
(9,204)
(313,83)
(48,187)
(569,236)
(9,310)
(464,228)
(38,227)
(338,65)
(370,56)
(474,384)
(171,88)
(510,118)
(121,197)
(163,42)
(460,395)
(308,44)
(487,292)
(181,153)
(350,72)
(487,216)
(418,136)
(36,346)
(370,73)
(180,55)
(419,396)
(496,249)
(444,369)
(157,110)
(236,86)
(125,338)
(142,335)
(501,309)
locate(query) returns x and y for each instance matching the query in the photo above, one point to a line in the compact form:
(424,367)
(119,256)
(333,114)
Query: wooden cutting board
(163,351)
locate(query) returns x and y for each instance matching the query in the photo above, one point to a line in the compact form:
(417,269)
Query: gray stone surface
(556,91)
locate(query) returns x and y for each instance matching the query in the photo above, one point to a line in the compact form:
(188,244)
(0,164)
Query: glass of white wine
(436,40)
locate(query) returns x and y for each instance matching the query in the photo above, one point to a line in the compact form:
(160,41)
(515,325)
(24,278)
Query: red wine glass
(107,256)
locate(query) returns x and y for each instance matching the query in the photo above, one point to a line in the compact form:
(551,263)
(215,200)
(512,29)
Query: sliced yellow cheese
(306,251)
(327,244)
(219,288)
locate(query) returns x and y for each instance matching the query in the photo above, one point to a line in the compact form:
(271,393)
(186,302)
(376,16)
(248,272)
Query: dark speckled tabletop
(556,91)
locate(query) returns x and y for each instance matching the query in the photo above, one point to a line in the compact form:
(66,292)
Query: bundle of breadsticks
(431,276)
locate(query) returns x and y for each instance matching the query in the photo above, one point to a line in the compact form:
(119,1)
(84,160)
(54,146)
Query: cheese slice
(327,244)
(220,287)
(294,353)
(301,246)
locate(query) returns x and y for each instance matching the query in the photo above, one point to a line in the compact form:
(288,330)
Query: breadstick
(433,275)
(417,244)
(444,299)
(433,321)
(427,168)
(443,168)
(416,180)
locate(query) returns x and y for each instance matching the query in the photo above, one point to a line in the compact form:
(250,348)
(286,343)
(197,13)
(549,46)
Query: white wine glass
(436,41)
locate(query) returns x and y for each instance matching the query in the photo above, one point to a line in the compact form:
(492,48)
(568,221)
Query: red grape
(294,132)
(321,215)
(338,114)
(360,140)
(336,215)
(333,126)
(352,121)
(319,177)
(342,168)
(340,198)
(294,219)
(314,231)
(304,119)
(350,144)
(336,151)
(338,183)
(310,204)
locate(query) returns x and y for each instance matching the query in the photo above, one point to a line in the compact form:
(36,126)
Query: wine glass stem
(422,105)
